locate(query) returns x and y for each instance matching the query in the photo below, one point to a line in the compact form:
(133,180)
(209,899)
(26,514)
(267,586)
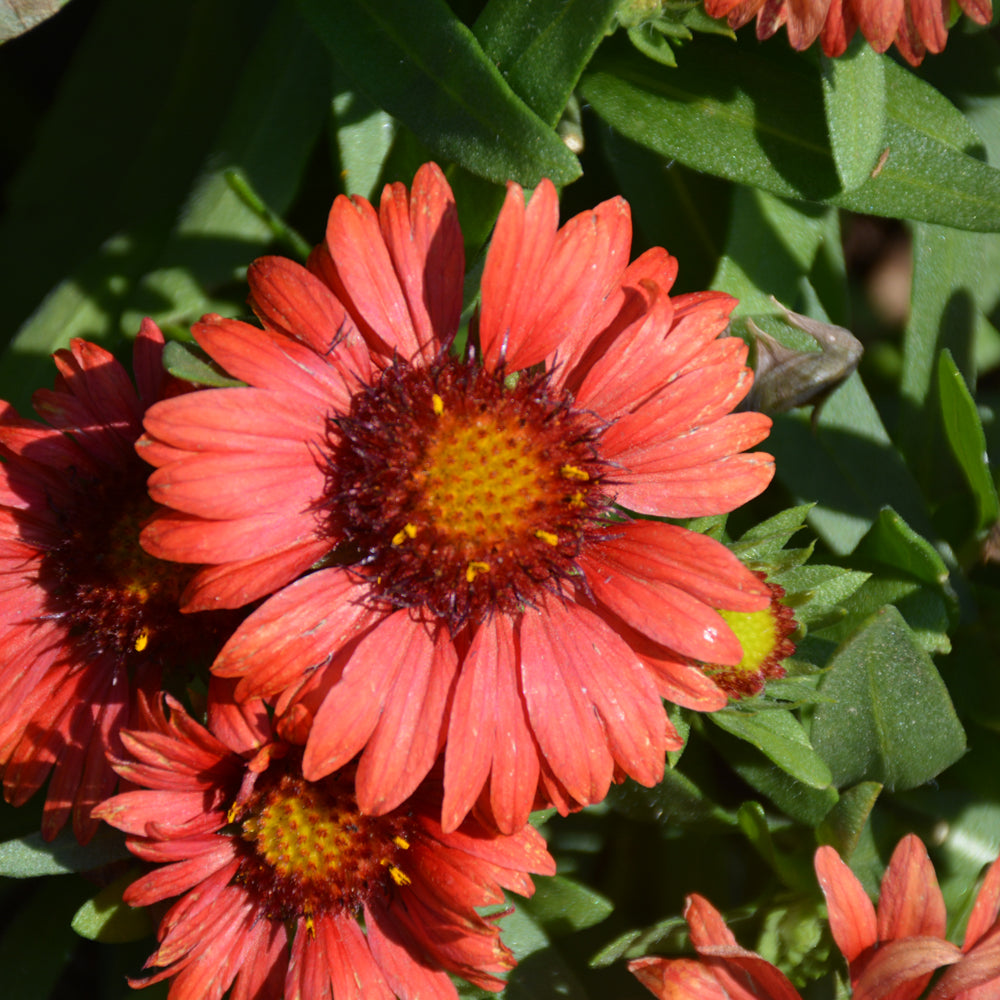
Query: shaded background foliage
(150,151)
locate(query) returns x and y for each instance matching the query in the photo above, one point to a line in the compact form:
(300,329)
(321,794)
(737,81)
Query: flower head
(764,639)
(86,612)
(483,587)
(274,872)
(915,26)
(891,954)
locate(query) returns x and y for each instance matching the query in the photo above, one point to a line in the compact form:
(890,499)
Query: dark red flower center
(112,596)
(462,492)
(305,849)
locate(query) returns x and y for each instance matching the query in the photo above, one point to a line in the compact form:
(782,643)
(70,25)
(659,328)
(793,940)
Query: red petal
(293,634)
(910,902)
(353,971)
(677,979)
(880,21)
(352,708)
(986,909)
(904,965)
(852,916)
(488,734)
(425,242)
(410,730)
(569,733)
(649,590)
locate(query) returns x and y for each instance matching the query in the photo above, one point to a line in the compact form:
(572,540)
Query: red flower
(481,589)
(891,955)
(916,26)
(84,612)
(904,940)
(273,872)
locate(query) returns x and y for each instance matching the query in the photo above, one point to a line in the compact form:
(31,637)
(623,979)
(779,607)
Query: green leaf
(965,435)
(38,943)
(542,46)
(108,918)
(363,135)
(854,97)
(843,824)
(780,737)
(802,802)
(423,66)
(764,542)
(794,871)
(761,124)
(563,906)
(675,800)
(30,856)
(273,123)
(893,542)
(541,970)
(190,363)
(889,719)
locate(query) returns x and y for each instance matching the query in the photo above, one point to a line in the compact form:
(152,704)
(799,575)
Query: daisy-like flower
(916,26)
(764,639)
(273,871)
(85,612)
(484,589)
(891,954)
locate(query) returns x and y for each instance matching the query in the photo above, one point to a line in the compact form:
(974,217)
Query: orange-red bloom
(482,587)
(891,954)
(274,872)
(916,26)
(84,612)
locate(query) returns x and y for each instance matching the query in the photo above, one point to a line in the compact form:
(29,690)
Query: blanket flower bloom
(86,613)
(482,587)
(273,871)
(891,954)
(917,27)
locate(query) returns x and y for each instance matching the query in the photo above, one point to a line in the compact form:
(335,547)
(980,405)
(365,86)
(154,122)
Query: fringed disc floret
(463,492)
(306,850)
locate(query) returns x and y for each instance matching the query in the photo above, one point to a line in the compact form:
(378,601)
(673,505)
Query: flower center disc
(461,492)
(308,850)
(112,596)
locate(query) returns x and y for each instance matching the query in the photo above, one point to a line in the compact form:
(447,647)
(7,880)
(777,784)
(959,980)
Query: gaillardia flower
(916,26)
(891,954)
(274,872)
(86,613)
(482,586)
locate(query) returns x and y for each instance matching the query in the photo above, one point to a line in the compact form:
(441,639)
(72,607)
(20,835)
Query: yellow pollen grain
(399,876)
(408,531)
(474,569)
(437,404)
(572,472)
(142,640)
(401,842)
(547,537)
(576,500)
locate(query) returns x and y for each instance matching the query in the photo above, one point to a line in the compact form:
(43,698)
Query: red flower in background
(84,612)
(916,26)
(891,954)
(481,590)
(274,872)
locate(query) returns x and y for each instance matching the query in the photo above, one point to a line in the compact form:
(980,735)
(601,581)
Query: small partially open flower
(916,27)
(275,872)
(764,639)
(891,953)
(85,613)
